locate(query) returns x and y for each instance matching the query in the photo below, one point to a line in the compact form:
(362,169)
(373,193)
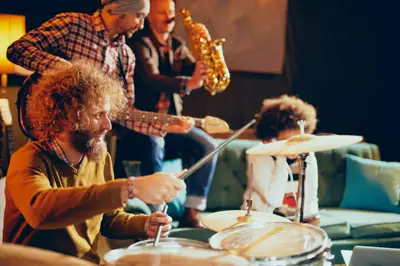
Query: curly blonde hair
(282,113)
(68,94)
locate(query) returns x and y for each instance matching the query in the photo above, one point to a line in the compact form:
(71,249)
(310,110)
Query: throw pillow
(371,185)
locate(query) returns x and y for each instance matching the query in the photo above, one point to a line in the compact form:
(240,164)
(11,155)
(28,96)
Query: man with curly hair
(60,190)
(268,175)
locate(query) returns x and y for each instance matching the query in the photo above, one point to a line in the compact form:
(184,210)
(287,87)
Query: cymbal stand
(299,215)
(249,201)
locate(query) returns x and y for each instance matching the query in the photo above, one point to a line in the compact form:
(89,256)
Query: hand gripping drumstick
(157,238)
(200,163)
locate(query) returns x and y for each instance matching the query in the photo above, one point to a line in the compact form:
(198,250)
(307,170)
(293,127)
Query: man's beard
(89,144)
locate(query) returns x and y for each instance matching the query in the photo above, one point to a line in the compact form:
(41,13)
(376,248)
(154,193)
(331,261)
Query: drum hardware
(301,145)
(142,255)
(172,242)
(202,161)
(249,203)
(299,214)
(280,244)
(305,143)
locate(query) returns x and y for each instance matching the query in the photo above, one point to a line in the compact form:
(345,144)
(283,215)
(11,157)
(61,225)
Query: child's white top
(270,175)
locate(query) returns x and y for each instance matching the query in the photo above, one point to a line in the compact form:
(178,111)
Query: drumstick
(271,232)
(200,163)
(231,226)
(206,158)
(157,238)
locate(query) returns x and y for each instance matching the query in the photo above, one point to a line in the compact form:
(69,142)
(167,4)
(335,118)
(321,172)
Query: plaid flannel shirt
(53,146)
(71,36)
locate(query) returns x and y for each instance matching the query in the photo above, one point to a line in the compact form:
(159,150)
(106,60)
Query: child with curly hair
(268,175)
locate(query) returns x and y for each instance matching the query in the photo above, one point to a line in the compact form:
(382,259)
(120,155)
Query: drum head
(272,241)
(220,221)
(172,242)
(149,256)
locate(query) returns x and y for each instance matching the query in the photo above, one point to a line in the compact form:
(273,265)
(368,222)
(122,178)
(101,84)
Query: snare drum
(166,256)
(174,242)
(277,243)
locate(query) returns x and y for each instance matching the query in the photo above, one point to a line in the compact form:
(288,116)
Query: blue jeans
(151,151)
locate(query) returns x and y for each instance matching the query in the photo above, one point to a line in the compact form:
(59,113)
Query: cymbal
(16,255)
(304,144)
(219,221)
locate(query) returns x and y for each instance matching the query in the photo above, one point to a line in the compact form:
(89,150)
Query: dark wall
(341,57)
(343,61)
(240,101)
(38,11)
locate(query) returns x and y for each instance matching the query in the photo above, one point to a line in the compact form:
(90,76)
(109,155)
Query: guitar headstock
(213,125)
(5,112)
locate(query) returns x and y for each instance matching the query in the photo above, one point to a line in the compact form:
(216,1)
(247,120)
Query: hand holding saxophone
(205,48)
(198,77)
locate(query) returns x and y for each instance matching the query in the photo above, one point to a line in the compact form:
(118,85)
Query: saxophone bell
(208,50)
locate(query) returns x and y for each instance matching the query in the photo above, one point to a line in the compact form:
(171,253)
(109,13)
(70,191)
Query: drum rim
(286,260)
(174,250)
(166,240)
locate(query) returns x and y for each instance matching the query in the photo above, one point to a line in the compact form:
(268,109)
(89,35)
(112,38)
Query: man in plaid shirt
(100,39)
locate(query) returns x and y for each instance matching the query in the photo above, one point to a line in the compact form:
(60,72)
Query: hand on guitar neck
(184,125)
(177,124)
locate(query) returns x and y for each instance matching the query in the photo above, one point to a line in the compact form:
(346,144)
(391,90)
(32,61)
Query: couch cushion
(371,185)
(369,224)
(334,226)
(137,206)
(331,171)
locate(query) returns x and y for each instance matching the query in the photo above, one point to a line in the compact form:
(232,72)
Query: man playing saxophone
(165,71)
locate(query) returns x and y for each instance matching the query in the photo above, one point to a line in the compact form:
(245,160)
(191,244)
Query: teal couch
(345,227)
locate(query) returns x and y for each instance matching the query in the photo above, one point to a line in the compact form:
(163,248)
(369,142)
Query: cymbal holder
(299,215)
(249,202)
(302,124)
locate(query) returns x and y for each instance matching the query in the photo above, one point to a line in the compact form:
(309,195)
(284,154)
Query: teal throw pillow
(371,185)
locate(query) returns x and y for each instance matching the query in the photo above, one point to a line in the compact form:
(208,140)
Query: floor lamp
(12,27)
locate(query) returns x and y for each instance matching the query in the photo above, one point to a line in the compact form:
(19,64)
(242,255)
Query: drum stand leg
(299,215)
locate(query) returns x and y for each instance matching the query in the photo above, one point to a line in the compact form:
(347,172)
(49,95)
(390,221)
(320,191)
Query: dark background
(341,57)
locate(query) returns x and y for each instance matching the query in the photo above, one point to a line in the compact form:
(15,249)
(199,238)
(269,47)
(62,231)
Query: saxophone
(203,48)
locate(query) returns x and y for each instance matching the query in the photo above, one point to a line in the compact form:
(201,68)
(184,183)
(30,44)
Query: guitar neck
(151,117)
